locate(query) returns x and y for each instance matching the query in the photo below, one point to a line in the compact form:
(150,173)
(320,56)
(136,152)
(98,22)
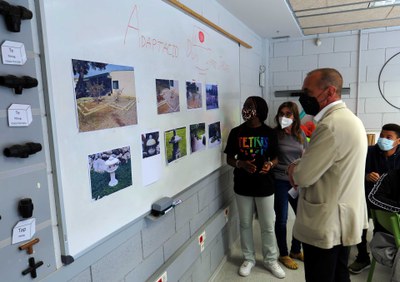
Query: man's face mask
(248,113)
(385,144)
(310,104)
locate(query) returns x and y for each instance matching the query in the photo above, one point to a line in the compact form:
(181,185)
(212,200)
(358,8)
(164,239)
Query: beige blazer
(331,208)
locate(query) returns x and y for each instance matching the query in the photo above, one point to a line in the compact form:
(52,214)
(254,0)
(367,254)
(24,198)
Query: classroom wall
(359,56)
(145,249)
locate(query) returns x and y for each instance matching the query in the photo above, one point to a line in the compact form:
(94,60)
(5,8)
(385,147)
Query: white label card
(24,230)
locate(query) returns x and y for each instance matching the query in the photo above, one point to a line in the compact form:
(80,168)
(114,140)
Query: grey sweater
(289,150)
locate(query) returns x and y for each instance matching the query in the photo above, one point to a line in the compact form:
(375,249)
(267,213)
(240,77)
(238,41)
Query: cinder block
(372,57)
(349,75)
(186,211)
(278,64)
(391,118)
(218,249)
(334,60)
(310,48)
(202,270)
(176,241)
(115,265)
(287,78)
(384,39)
(303,63)
(373,73)
(369,89)
(157,232)
(391,52)
(207,194)
(378,105)
(196,222)
(182,262)
(144,270)
(371,121)
(215,226)
(217,204)
(346,43)
(289,48)
(391,72)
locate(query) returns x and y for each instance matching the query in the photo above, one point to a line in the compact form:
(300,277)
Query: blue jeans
(281,210)
(266,220)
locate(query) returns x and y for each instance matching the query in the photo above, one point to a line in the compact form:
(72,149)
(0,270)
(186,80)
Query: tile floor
(228,271)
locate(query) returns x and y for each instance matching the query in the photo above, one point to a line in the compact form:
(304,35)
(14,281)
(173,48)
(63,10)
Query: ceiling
(294,18)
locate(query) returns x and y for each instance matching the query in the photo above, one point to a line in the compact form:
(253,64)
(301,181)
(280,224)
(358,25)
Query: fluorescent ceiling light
(383,3)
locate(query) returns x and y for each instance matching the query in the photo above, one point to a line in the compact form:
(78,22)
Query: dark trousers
(363,254)
(327,265)
(281,203)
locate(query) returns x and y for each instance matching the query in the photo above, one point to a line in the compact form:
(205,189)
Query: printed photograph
(150,144)
(197,137)
(167,96)
(212,96)
(193,95)
(105,95)
(175,144)
(110,171)
(214,134)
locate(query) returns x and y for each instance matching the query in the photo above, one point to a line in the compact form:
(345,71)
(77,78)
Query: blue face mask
(385,144)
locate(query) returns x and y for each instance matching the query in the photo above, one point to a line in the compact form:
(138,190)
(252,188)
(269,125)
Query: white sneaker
(275,269)
(245,268)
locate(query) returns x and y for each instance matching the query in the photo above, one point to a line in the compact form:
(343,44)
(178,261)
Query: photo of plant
(197,137)
(167,96)
(110,171)
(105,95)
(193,95)
(212,96)
(214,134)
(150,144)
(175,144)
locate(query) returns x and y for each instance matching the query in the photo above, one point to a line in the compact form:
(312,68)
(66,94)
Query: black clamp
(18,83)
(22,151)
(13,15)
(25,207)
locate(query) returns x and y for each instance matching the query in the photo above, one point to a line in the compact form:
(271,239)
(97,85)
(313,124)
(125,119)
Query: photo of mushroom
(150,144)
(167,96)
(197,137)
(110,171)
(175,144)
(105,95)
(214,134)
(212,96)
(193,95)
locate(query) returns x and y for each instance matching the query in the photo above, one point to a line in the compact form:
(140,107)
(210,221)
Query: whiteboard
(158,42)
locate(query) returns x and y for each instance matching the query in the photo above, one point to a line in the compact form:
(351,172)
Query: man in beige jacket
(331,211)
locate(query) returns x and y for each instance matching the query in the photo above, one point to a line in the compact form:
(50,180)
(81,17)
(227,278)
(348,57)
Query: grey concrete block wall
(147,248)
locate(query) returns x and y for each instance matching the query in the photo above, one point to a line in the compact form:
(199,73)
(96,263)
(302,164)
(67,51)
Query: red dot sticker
(201,36)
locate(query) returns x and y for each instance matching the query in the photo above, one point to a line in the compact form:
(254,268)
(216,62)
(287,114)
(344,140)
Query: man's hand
(372,177)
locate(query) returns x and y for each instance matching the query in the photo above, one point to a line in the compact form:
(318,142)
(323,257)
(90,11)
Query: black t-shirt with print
(248,143)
